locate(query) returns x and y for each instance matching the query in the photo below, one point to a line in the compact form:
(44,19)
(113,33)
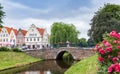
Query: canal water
(42,67)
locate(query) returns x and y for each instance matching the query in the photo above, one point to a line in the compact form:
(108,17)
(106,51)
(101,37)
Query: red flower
(101,59)
(110,69)
(114,59)
(113,34)
(106,43)
(118,36)
(101,51)
(117,67)
(118,47)
(109,49)
(96,47)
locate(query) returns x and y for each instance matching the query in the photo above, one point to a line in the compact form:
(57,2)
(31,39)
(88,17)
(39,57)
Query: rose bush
(109,54)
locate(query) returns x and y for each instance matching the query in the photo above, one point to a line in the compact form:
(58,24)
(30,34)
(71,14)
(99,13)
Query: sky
(43,13)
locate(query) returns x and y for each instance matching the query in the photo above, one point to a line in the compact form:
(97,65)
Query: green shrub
(17,50)
(4,48)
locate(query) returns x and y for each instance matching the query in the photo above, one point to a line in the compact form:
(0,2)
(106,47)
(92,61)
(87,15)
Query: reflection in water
(42,67)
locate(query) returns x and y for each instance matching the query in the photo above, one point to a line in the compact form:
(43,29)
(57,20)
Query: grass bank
(15,59)
(85,66)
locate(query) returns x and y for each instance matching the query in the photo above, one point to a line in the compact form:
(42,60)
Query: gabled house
(13,34)
(5,36)
(8,36)
(20,37)
(36,38)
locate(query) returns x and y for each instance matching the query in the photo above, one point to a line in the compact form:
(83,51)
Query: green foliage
(17,50)
(105,19)
(85,66)
(15,59)
(62,32)
(2,14)
(90,42)
(4,48)
(82,42)
(109,53)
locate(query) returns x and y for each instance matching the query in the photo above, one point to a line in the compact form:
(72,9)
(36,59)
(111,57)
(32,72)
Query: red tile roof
(24,32)
(8,29)
(15,31)
(41,30)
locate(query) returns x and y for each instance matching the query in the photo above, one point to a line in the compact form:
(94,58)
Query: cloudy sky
(42,13)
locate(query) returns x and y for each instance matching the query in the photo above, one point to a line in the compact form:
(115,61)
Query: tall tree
(82,42)
(62,32)
(105,19)
(2,14)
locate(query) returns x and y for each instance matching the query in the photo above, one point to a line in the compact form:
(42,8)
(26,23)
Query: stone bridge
(76,53)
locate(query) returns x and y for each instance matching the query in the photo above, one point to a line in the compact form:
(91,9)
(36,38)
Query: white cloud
(81,19)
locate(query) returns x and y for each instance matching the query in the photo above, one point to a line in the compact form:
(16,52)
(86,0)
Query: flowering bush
(109,53)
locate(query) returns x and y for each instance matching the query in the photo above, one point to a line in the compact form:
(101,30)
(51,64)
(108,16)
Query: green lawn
(85,66)
(15,59)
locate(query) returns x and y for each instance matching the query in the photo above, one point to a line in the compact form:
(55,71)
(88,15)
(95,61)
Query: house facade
(20,37)
(36,38)
(13,34)
(5,36)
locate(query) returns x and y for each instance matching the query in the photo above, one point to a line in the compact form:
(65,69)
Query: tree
(90,43)
(2,14)
(105,19)
(62,32)
(82,42)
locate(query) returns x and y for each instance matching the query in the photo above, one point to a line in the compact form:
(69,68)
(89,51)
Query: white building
(36,38)
(8,36)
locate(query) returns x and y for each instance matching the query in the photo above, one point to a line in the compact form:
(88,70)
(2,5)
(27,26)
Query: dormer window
(32,30)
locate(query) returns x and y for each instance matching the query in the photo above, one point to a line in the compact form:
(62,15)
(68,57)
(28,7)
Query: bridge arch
(60,54)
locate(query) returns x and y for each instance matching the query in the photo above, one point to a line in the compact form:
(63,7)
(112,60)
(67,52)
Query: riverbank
(85,66)
(15,59)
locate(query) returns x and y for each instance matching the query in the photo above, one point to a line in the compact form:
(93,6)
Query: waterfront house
(20,37)
(36,38)
(13,34)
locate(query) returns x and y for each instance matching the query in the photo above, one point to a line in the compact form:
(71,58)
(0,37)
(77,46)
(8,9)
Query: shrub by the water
(17,50)
(4,48)
(109,54)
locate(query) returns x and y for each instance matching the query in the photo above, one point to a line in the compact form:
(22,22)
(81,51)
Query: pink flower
(101,59)
(118,53)
(106,43)
(109,49)
(118,36)
(113,34)
(101,51)
(117,67)
(96,47)
(118,47)
(115,41)
(118,56)
(110,69)
(114,59)
(109,56)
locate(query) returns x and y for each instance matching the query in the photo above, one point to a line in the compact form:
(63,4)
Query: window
(30,39)
(34,39)
(27,39)
(38,39)
(32,30)
(6,40)
(3,40)
(4,35)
